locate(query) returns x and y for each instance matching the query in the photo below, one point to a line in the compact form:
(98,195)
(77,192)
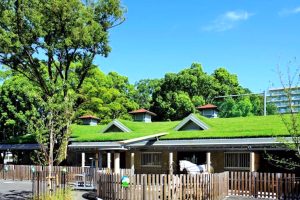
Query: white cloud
(228,21)
(289,11)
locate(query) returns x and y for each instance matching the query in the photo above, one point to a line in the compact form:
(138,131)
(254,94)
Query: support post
(171,163)
(109,161)
(96,160)
(208,161)
(117,163)
(82,161)
(132,163)
(100,160)
(252,162)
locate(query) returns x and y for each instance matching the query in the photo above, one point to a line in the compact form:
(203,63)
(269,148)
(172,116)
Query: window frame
(151,153)
(243,160)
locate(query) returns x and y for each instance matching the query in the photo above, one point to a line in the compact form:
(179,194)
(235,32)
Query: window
(151,159)
(237,161)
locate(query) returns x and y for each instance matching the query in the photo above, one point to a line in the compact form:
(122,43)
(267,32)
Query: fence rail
(24,172)
(42,181)
(160,186)
(264,185)
(61,176)
(163,187)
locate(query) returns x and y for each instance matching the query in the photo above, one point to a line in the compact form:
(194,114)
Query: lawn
(256,126)
(93,133)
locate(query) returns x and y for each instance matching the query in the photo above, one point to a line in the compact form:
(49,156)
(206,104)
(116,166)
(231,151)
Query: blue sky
(249,38)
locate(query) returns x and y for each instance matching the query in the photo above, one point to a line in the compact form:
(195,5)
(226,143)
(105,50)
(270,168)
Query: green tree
(145,89)
(226,83)
(175,106)
(197,85)
(42,39)
(17,107)
(106,96)
(236,108)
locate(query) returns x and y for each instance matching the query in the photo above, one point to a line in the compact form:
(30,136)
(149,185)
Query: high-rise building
(279,97)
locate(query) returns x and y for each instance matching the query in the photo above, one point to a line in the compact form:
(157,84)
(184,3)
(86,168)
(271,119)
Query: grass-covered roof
(256,126)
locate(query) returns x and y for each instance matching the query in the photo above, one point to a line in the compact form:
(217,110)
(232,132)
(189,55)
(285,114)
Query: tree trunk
(51,146)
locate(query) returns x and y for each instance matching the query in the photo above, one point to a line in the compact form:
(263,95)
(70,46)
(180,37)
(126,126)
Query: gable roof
(207,106)
(89,117)
(142,110)
(192,118)
(117,124)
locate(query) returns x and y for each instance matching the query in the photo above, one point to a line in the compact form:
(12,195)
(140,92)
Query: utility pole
(265,103)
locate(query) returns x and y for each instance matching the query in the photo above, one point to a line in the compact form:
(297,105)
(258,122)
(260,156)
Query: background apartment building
(279,97)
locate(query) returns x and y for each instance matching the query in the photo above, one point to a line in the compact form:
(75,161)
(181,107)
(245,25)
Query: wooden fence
(43,183)
(264,185)
(61,176)
(24,172)
(163,187)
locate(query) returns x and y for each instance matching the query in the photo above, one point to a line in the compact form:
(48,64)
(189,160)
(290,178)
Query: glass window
(235,160)
(151,159)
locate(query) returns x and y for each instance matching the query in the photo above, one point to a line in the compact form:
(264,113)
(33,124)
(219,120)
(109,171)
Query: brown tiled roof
(142,110)
(88,117)
(207,106)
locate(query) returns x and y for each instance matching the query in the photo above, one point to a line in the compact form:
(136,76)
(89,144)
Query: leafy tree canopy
(53,43)
(191,87)
(107,96)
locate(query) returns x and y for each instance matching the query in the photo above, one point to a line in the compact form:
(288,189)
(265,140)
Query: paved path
(18,190)
(240,198)
(22,190)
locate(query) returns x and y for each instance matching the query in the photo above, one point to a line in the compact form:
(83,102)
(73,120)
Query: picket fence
(264,185)
(160,186)
(25,172)
(60,178)
(163,187)
(42,181)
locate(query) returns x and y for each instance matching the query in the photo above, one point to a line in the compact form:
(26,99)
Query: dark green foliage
(17,107)
(180,93)
(106,96)
(145,89)
(226,83)
(245,106)
(53,43)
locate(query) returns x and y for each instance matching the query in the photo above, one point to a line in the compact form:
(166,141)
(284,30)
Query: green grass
(93,133)
(60,194)
(256,126)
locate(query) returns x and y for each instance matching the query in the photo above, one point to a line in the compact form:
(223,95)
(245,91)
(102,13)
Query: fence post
(227,183)
(33,185)
(38,184)
(144,187)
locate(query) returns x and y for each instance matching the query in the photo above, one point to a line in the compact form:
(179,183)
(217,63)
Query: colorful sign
(125,181)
